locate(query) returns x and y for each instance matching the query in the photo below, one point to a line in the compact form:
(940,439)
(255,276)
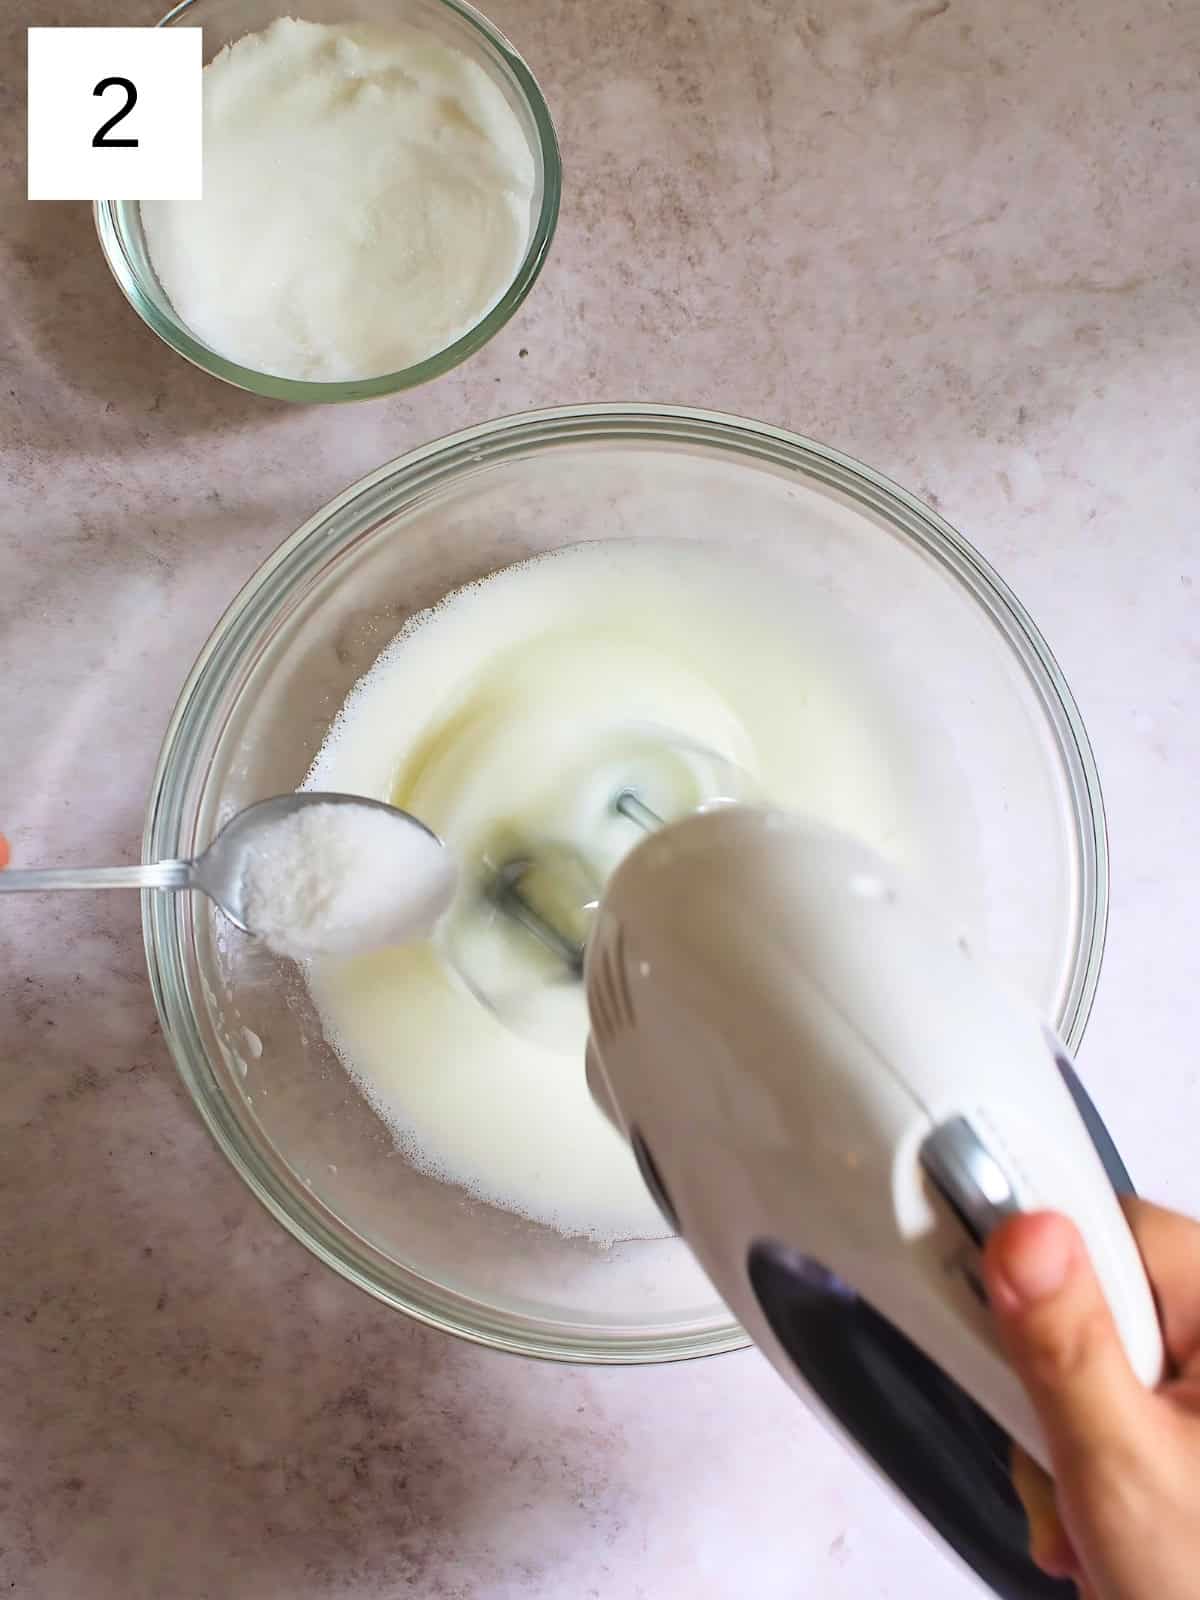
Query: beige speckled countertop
(959,240)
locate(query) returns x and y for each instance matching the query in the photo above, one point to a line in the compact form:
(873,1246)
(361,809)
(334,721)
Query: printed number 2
(100,140)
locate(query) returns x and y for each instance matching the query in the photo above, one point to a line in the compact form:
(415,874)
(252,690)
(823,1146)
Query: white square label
(115,114)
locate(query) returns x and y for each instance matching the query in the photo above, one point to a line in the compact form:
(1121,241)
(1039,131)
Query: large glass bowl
(119,222)
(991,748)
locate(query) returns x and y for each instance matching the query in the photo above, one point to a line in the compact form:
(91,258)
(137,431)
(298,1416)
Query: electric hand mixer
(834,1105)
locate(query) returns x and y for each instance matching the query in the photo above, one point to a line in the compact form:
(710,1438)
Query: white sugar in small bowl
(458,25)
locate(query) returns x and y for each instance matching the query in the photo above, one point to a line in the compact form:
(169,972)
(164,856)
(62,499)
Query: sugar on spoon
(311,873)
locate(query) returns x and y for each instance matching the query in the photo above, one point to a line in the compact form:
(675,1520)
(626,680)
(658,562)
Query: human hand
(5,853)
(1122,1517)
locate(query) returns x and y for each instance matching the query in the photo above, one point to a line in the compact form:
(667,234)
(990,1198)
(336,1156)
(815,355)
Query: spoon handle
(157,875)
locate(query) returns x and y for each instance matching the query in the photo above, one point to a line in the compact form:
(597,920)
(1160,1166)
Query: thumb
(1062,1341)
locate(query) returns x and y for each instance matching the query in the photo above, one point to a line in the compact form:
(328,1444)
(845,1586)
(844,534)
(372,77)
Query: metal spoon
(218,873)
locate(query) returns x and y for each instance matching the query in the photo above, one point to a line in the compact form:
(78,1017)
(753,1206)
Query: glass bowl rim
(333,528)
(173,333)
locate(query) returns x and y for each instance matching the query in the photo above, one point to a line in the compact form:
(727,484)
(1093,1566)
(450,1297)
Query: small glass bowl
(119,222)
(989,748)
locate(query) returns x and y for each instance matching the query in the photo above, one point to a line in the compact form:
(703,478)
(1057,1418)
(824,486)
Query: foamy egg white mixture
(367,195)
(510,714)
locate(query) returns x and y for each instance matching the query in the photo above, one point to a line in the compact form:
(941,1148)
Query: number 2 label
(116,114)
(100,139)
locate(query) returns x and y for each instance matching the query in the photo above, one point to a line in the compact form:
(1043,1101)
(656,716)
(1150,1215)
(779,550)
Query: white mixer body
(810,1062)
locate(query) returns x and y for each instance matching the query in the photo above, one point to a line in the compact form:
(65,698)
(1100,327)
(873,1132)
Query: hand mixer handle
(885,1392)
(887,1395)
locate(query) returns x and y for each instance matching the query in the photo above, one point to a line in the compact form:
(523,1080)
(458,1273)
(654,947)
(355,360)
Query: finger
(1049,1544)
(1061,1339)
(5,853)
(1170,1247)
